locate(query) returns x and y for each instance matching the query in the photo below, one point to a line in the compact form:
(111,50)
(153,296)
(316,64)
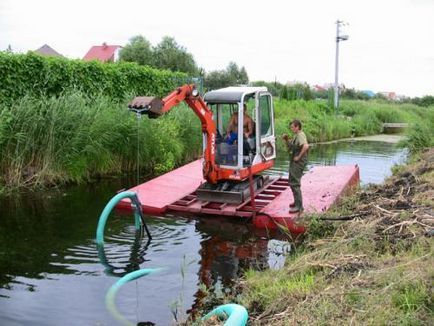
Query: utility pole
(339,38)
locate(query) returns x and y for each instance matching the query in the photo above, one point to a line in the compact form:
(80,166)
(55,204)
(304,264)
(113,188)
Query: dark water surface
(51,273)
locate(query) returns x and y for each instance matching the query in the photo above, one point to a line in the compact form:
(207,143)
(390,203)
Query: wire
(138,148)
(137,302)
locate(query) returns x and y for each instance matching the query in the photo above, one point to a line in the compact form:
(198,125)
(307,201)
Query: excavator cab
(244,119)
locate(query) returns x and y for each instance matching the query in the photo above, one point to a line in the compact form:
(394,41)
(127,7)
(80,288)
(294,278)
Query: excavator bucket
(147,105)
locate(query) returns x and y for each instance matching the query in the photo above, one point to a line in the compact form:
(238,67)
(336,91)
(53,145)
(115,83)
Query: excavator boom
(155,107)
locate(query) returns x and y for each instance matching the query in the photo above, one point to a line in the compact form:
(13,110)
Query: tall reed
(73,138)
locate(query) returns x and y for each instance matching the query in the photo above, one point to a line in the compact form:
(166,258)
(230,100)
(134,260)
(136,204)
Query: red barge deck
(175,191)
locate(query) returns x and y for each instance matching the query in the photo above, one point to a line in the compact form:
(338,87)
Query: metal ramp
(263,197)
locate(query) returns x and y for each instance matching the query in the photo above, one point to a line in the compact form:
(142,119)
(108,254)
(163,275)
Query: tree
(217,79)
(168,54)
(353,94)
(138,50)
(380,96)
(275,88)
(233,75)
(300,91)
(284,93)
(427,100)
(236,75)
(243,77)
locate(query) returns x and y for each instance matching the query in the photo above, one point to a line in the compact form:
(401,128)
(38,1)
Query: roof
(48,51)
(369,93)
(231,94)
(102,52)
(319,88)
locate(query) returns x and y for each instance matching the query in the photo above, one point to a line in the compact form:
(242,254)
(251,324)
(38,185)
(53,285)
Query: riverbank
(370,261)
(72,138)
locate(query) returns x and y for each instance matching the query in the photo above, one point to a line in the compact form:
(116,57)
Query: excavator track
(230,192)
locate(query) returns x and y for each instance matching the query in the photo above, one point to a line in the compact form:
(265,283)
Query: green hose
(111,294)
(237,315)
(138,215)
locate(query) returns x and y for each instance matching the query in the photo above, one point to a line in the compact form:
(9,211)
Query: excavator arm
(154,107)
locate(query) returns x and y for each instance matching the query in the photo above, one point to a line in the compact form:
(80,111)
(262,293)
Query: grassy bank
(355,118)
(74,138)
(375,268)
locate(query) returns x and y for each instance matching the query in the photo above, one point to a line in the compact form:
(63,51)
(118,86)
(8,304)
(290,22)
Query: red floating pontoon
(175,191)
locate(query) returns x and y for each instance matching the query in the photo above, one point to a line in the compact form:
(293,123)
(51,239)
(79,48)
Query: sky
(390,46)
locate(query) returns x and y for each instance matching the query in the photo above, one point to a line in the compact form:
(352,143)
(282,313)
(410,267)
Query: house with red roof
(318,88)
(104,53)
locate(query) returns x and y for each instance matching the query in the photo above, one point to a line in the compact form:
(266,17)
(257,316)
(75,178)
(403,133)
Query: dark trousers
(295,173)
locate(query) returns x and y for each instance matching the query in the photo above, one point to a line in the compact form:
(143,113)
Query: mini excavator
(231,161)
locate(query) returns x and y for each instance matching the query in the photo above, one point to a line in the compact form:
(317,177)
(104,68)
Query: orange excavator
(231,157)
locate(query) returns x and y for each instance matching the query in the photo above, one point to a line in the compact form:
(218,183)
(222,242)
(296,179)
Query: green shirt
(296,144)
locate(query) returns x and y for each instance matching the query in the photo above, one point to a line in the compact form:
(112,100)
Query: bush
(419,136)
(37,76)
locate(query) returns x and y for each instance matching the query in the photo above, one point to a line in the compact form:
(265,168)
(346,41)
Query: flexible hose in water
(138,217)
(111,294)
(237,314)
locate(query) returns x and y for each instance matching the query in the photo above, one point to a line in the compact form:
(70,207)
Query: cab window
(265,112)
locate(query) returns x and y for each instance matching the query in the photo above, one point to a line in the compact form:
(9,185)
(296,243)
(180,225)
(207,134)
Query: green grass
(268,288)
(410,297)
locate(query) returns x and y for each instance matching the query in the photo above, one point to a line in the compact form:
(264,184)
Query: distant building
(319,89)
(104,53)
(389,95)
(48,51)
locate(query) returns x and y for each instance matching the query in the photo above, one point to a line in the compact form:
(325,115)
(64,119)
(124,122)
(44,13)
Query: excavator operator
(232,129)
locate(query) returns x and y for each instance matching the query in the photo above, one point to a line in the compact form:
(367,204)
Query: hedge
(35,75)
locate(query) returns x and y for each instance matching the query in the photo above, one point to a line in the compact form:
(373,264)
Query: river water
(51,272)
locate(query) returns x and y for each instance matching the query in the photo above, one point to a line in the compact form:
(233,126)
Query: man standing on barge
(298,148)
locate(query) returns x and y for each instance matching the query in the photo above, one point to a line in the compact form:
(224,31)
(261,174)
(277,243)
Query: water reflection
(137,254)
(230,248)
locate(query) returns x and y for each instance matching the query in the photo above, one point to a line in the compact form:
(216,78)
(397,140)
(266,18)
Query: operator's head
(295,125)
(245,109)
